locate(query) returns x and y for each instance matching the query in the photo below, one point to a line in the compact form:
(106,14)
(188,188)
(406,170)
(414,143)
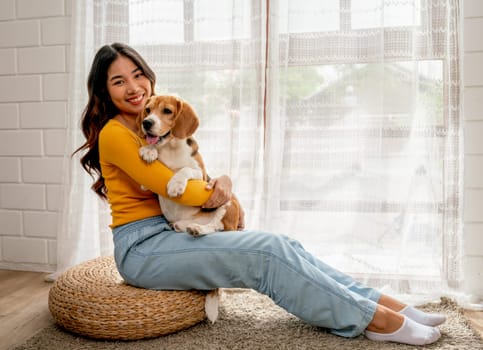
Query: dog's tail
(212,301)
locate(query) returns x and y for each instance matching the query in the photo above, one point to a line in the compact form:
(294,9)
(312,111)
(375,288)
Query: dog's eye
(148,110)
(167,111)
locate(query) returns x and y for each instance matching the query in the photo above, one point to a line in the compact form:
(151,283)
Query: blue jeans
(150,254)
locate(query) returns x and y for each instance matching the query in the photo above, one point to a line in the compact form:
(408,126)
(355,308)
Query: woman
(149,254)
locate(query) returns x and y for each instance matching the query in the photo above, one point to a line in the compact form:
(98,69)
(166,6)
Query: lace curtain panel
(337,120)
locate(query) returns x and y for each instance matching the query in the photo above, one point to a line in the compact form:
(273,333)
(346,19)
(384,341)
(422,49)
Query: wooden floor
(23,306)
(24,310)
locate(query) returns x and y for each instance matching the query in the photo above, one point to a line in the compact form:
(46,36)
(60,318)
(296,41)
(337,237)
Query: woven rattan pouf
(92,300)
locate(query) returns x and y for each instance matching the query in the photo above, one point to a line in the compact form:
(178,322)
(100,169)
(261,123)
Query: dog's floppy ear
(186,120)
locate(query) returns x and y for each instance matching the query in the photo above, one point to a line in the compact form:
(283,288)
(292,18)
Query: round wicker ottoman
(91,299)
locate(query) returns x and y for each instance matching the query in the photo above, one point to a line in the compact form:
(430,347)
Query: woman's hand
(221,192)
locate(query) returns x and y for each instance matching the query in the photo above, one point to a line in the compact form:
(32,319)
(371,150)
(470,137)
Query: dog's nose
(147,124)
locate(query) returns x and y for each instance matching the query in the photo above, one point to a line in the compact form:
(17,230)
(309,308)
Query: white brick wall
(473,116)
(34,47)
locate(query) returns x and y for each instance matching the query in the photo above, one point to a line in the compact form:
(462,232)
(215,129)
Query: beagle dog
(168,124)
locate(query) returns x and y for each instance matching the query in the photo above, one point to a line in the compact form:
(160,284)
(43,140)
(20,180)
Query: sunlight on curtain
(364,149)
(347,139)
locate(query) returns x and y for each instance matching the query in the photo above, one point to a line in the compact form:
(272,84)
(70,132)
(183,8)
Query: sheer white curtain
(337,121)
(363,148)
(83,231)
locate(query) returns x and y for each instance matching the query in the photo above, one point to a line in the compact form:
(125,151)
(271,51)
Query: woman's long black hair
(100,109)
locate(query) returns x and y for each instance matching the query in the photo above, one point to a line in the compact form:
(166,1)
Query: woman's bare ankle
(391,303)
(385,321)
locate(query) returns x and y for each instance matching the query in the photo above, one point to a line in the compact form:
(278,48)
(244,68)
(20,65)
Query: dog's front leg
(148,153)
(177,184)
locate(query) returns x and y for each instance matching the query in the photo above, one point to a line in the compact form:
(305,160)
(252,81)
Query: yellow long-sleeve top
(124,172)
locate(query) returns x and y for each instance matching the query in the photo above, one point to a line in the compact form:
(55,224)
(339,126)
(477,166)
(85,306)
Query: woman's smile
(136,100)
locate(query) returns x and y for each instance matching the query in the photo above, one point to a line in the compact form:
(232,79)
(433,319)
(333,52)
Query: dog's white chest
(176,155)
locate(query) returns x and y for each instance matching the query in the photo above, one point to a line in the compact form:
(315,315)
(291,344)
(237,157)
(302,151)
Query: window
(156,22)
(177,21)
(362,165)
(355,108)
(386,13)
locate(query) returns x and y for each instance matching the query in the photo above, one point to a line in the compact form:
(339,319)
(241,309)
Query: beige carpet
(249,320)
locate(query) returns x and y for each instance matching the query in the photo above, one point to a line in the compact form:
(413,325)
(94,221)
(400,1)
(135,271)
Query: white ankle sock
(410,332)
(423,317)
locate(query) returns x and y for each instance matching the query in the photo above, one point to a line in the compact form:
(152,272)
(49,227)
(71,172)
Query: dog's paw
(148,154)
(178,227)
(200,230)
(176,186)
(195,230)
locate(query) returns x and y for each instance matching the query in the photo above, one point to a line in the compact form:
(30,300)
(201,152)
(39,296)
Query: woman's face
(128,87)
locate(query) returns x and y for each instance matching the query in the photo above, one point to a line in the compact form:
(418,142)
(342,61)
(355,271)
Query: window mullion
(189,27)
(345,15)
